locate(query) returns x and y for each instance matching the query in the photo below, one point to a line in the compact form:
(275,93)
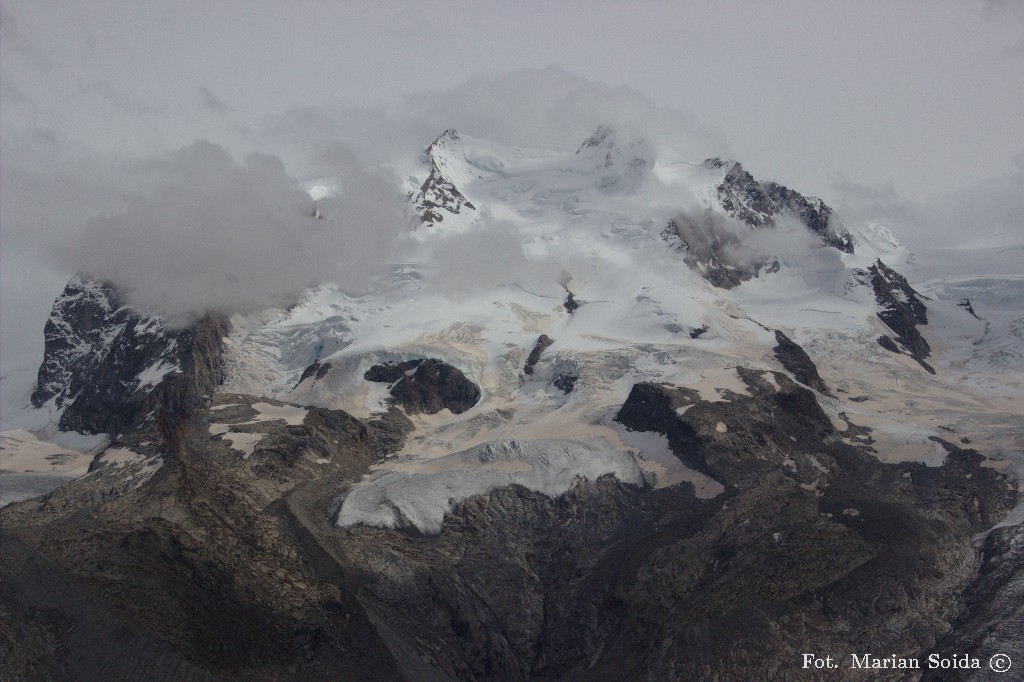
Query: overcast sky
(905,111)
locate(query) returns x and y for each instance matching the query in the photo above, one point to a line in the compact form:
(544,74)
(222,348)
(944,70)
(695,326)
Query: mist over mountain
(211,234)
(462,342)
(588,403)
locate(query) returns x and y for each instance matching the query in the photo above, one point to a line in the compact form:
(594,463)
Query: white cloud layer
(214,234)
(908,98)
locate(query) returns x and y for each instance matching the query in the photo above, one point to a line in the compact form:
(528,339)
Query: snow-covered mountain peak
(876,241)
(623,161)
(439,197)
(442,153)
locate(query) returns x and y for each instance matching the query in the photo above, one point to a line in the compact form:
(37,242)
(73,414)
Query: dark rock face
(426,386)
(795,359)
(652,407)
(571,304)
(107,365)
(759,203)
(887,343)
(713,250)
(391,372)
(965,303)
(565,382)
(901,309)
(543,341)
(438,195)
(45,611)
(315,370)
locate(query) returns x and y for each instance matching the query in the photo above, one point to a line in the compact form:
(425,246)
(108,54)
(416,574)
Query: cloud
(986,212)
(879,203)
(208,100)
(209,233)
(1008,13)
(14,38)
(492,254)
(548,108)
(122,100)
(197,229)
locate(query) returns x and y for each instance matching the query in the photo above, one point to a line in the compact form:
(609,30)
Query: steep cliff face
(795,359)
(106,365)
(993,609)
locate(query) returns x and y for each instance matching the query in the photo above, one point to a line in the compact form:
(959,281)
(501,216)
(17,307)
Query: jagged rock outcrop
(795,359)
(759,204)
(571,305)
(426,386)
(565,382)
(900,308)
(106,365)
(543,341)
(965,303)
(315,370)
(438,197)
(715,245)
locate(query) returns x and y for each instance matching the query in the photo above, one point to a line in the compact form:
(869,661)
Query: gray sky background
(904,112)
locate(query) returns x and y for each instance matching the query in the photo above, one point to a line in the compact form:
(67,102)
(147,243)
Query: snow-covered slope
(589,227)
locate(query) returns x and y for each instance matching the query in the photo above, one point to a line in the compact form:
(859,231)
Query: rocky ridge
(901,309)
(759,204)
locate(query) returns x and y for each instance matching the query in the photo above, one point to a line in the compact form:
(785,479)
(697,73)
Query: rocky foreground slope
(183,556)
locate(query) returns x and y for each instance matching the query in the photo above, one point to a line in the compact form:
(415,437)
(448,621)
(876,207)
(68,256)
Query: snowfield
(590,224)
(419,494)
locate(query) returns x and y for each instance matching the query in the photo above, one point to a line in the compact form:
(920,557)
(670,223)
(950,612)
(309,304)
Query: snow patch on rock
(420,492)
